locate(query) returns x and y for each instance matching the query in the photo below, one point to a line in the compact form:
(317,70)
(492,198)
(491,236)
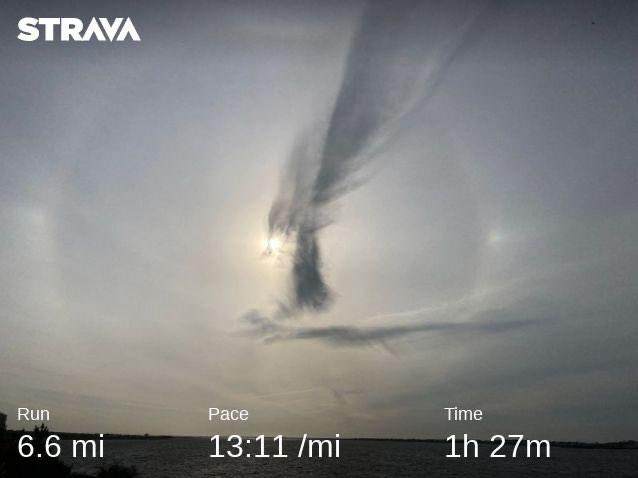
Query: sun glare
(272,245)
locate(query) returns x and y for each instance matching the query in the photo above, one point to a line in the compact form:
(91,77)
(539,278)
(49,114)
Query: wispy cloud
(398,56)
(486,322)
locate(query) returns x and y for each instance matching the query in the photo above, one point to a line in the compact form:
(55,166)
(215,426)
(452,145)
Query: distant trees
(117,471)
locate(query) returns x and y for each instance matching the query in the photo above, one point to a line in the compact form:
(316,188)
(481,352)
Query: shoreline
(617,445)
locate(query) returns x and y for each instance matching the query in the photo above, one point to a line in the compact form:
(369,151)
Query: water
(190,458)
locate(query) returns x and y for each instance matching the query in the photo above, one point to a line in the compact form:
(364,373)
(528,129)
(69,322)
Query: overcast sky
(487,257)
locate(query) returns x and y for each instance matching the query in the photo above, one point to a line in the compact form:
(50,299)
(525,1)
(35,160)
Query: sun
(272,245)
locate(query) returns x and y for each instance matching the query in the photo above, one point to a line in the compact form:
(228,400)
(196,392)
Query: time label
(520,447)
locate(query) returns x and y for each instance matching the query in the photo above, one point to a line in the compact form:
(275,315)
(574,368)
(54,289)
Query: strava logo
(72,29)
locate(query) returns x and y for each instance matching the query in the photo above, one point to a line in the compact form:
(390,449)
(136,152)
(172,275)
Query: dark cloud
(489,322)
(398,55)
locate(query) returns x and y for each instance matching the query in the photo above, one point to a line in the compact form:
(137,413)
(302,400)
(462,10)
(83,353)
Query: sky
(452,187)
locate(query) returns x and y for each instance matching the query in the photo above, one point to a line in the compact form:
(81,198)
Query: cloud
(486,322)
(399,54)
